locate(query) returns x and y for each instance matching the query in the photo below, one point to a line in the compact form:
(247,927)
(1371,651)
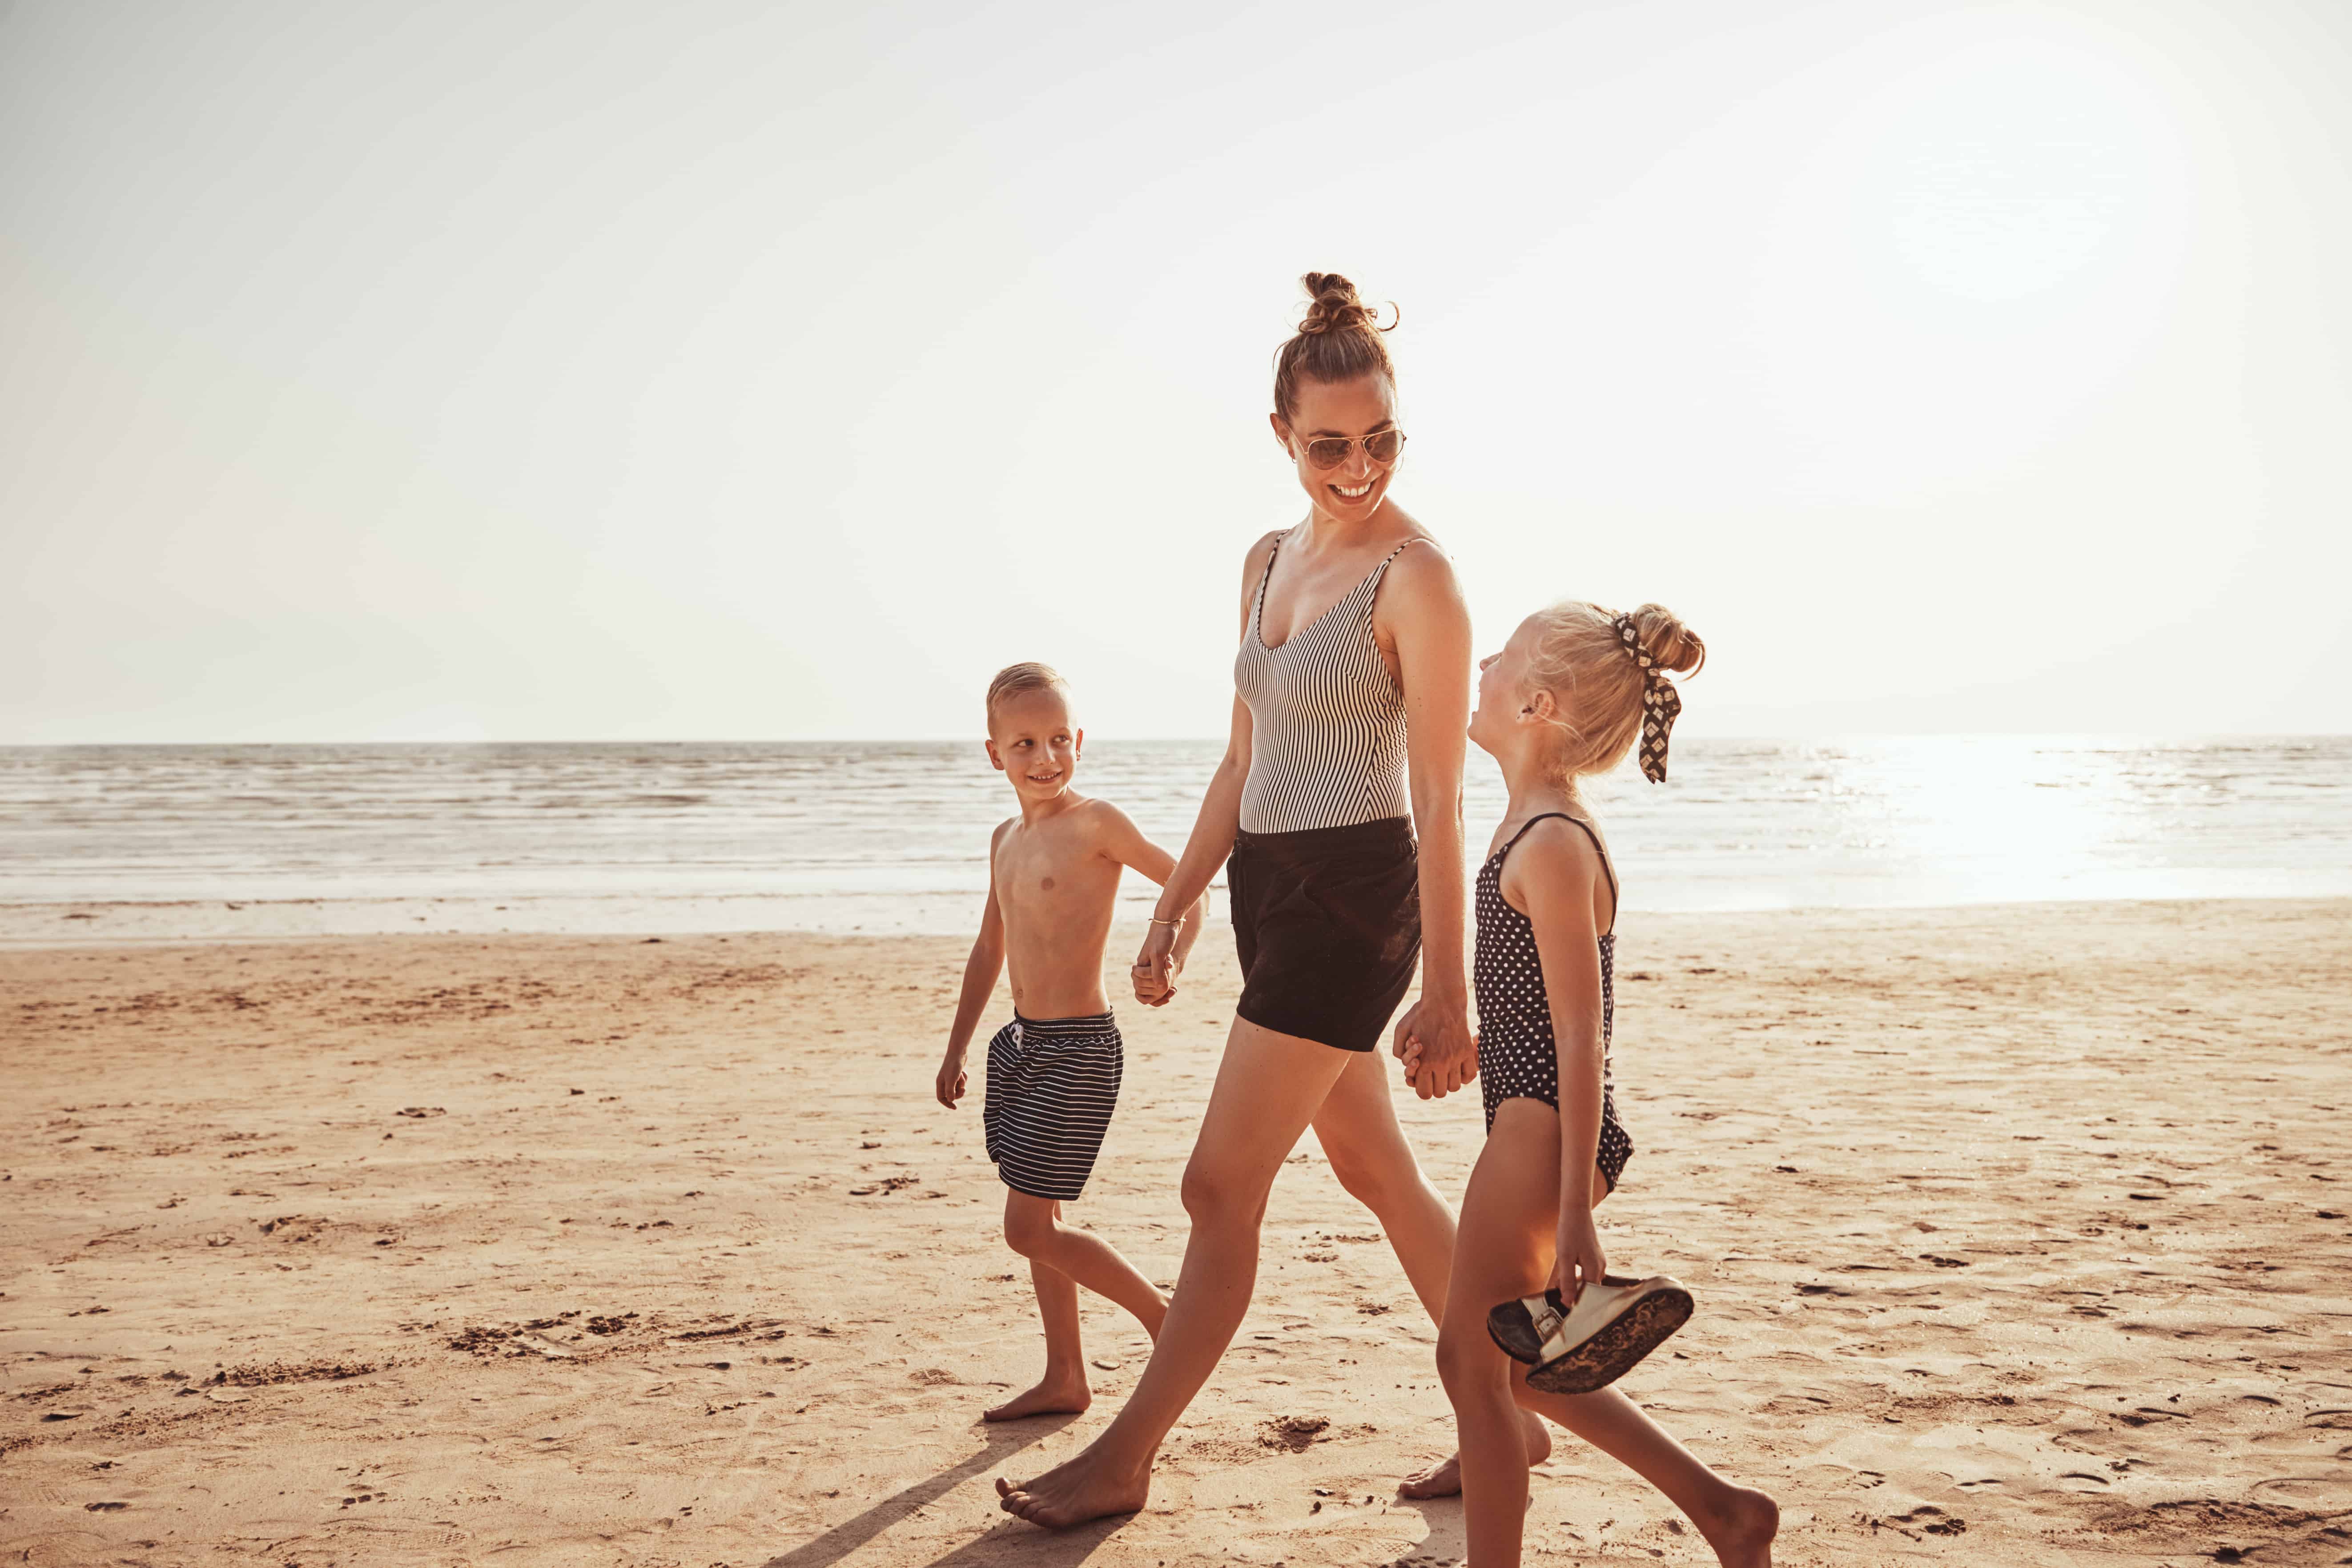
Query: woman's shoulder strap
(1273,549)
(1273,542)
(1391,556)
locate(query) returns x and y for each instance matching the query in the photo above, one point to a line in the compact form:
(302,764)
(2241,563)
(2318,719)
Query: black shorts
(1328,922)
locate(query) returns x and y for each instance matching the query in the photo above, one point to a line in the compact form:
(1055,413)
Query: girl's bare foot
(1053,1397)
(1072,1493)
(1741,1531)
(1445,1478)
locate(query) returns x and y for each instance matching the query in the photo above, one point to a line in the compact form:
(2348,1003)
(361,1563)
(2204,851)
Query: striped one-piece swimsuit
(1327,720)
(1324,875)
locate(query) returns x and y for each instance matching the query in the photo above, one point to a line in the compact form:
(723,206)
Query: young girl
(1566,697)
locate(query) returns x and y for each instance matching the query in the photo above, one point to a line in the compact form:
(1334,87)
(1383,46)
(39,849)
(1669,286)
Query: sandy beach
(2019,1237)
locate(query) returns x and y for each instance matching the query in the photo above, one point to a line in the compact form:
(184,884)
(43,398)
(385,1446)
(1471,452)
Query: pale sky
(520,371)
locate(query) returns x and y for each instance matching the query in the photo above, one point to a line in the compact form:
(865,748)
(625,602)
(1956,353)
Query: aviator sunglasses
(1381,446)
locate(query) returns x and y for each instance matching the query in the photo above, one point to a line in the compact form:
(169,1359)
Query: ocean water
(880,836)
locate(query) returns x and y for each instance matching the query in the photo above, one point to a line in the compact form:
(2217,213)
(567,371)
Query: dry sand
(2018,1234)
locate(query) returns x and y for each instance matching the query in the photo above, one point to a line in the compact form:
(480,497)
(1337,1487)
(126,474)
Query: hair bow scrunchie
(1660,702)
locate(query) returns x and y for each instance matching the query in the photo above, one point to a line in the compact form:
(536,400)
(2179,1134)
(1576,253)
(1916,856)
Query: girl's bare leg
(1508,1219)
(1268,1089)
(1357,1126)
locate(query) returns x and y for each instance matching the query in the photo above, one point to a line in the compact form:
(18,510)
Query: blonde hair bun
(1671,645)
(1578,656)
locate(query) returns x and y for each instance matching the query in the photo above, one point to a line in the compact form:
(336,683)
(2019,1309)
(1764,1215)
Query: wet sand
(2018,1236)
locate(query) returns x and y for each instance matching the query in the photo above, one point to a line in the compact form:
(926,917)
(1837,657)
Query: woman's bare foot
(1073,1492)
(1053,1397)
(1445,1478)
(1741,1531)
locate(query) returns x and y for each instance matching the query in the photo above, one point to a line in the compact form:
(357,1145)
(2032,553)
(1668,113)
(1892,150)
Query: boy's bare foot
(1742,1532)
(1445,1478)
(1052,1396)
(1073,1492)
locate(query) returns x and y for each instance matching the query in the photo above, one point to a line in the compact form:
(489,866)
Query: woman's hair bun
(1340,340)
(1671,644)
(1335,307)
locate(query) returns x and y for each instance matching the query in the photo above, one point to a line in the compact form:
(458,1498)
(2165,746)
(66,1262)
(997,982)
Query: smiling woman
(1338,803)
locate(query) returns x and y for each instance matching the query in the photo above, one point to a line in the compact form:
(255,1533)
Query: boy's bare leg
(1064,1388)
(1268,1088)
(1509,1221)
(1034,1229)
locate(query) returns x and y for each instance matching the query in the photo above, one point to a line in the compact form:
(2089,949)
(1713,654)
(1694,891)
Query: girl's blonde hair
(1596,684)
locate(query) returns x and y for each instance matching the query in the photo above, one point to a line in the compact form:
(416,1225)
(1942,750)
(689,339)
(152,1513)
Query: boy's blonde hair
(1027,676)
(1597,682)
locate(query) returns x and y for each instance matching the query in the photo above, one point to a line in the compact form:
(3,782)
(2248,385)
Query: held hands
(1580,1261)
(1434,1043)
(950,1083)
(1156,967)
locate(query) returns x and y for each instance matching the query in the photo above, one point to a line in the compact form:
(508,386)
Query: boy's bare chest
(1042,874)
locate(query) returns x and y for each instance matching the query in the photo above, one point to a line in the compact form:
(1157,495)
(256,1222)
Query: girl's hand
(949,1088)
(1580,1261)
(1155,966)
(1434,1042)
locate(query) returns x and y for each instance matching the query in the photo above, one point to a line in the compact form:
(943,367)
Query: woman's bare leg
(1509,1221)
(1357,1126)
(1268,1089)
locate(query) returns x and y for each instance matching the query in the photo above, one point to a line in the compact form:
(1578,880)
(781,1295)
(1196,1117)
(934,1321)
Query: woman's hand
(1156,967)
(949,1088)
(1434,1042)
(1580,1261)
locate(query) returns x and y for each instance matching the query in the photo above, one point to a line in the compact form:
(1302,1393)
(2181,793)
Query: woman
(1353,682)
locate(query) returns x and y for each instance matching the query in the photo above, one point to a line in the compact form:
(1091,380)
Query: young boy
(1053,1071)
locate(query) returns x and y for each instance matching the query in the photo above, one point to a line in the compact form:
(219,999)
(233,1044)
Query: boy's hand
(950,1083)
(1156,967)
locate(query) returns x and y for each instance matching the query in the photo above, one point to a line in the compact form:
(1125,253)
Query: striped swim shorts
(1052,1084)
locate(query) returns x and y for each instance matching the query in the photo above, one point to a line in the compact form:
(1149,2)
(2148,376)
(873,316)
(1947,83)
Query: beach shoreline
(2009,1227)
(34,925)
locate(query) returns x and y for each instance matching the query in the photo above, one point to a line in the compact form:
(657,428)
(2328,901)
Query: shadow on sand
(1011,1540)
(1014,1541)
(1000,1444)
(1443,1538)
(1442,1542)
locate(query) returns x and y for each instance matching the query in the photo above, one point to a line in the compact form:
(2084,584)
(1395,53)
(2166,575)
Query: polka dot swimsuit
(1517,1054)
